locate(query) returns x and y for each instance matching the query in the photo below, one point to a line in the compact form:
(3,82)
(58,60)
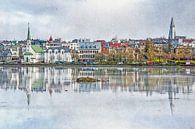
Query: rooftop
(37,49)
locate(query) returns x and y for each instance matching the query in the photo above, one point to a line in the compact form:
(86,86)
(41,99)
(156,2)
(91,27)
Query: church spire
(28,35)
(172,32)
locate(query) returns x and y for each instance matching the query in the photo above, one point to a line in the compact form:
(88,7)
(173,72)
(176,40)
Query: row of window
(58,59)
(88,47)
(87,56)
(57,52)
(88,51)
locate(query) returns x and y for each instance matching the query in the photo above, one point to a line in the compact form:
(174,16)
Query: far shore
(97,65)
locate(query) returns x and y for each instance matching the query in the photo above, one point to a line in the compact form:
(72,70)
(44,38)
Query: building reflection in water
(168,80)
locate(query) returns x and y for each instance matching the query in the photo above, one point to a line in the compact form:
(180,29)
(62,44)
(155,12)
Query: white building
(15,50)
(33,53)
(53,55)
(71,45)
(53,43)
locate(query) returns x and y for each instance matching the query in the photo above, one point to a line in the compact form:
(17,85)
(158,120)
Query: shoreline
(75,65)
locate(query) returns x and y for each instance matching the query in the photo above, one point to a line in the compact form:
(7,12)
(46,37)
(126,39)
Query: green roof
(37,49)
(28,53)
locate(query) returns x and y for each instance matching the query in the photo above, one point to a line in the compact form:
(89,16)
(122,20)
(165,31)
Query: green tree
(100,57)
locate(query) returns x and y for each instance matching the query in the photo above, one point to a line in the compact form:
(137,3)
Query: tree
(183,53)
(150,50)
(111,58)
(99,57)
(74,55)
(129,55)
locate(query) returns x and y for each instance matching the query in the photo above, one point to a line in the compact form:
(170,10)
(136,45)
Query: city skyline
(96,20)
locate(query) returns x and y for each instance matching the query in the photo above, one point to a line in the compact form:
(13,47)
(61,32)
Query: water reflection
(168,80)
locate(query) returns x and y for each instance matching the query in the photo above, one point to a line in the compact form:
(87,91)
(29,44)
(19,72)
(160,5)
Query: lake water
(124,98)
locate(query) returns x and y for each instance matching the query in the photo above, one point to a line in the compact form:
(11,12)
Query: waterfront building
(88,50)
(5,56)
(105,46)
(57,54)
(33,53)
(71,45)
(53,43)
(15,52)
(117,46)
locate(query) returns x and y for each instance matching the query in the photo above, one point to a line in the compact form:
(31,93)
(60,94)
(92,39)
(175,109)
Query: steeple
(50,39)
(172,32)
(28,35)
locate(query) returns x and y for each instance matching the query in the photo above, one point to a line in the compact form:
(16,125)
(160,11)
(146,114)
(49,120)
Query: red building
(105,46)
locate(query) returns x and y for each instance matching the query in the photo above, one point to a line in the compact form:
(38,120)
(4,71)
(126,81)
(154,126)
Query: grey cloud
(91,18)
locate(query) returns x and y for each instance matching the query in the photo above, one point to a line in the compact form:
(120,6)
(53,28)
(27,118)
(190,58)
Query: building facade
(33,53)
(88,50)
(60,54)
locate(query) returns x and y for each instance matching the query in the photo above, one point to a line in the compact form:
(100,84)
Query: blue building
(88,50)
(5,56)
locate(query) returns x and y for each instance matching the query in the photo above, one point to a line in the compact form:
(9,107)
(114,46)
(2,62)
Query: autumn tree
(74,55)
(150,50)
(129,55)
(99,57)
(183,53)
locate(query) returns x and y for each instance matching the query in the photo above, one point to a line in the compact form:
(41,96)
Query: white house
(53,55)
(15,50)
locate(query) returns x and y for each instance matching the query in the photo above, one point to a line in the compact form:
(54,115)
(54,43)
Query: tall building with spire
(28,38)
(33,53)
(172,31)
(171,37)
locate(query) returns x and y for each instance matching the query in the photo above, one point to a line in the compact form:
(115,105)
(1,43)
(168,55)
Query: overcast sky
(95,19)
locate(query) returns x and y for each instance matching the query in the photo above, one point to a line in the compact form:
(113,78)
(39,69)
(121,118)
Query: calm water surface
(124,98)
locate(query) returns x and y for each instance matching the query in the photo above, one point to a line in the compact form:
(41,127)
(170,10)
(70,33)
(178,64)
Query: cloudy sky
(95,19)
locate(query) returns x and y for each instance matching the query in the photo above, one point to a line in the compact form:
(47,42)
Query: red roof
(118,45)
(188,40)
(102,41)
